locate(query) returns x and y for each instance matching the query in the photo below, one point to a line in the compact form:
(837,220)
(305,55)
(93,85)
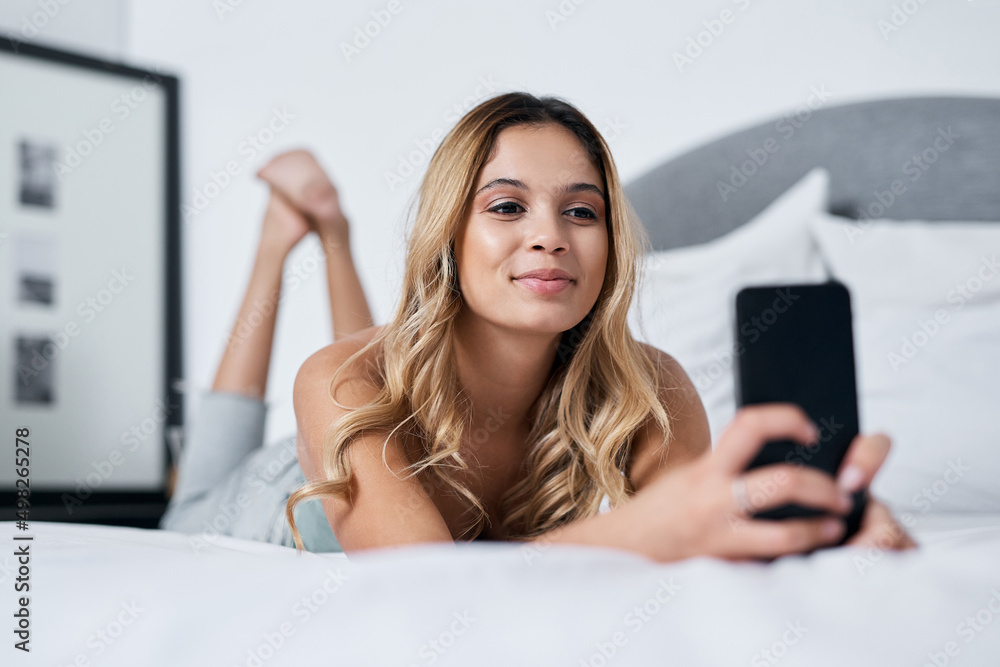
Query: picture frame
(90,284)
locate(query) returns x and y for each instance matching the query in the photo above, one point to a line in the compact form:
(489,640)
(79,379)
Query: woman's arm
(691,510)
(653,454)
(386,510)
(651,457)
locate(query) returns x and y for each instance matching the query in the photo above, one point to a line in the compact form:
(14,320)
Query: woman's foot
(299,177)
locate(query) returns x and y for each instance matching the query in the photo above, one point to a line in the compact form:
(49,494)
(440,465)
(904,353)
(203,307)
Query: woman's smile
(540,286)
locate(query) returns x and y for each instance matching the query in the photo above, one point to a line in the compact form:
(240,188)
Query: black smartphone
(795,344)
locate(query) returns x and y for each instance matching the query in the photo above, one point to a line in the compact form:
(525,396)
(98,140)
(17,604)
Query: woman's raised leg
(247,356)
(230,420)
(231,415)
(300,178)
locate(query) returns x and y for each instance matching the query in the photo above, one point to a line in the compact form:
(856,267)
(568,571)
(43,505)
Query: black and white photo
(38,174)
(34,376)
(36,266)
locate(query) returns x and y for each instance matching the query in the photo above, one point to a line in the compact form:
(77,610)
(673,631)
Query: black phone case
(756,381)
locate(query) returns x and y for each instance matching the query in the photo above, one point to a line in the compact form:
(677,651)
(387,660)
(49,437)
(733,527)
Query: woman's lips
(540,286)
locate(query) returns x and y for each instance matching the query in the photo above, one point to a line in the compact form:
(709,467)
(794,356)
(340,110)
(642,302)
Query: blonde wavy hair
(602,387)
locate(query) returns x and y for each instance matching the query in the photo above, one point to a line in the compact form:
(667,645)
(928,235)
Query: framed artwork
(90,318)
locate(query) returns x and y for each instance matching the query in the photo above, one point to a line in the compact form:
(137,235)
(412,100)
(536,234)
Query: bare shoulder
(652,452)
(384,505)
(321,365)
(315,410)
(669,367)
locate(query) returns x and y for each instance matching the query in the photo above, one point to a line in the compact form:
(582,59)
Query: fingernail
(813,433)
(846,503)
(832,528)
(850,478)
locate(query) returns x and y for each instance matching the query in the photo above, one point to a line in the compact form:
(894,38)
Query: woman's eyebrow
(583,187)
(513,182)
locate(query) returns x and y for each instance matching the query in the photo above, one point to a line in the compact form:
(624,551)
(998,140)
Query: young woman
(507,399)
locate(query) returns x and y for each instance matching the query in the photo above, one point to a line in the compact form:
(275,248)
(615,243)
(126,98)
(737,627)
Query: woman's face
(537,205)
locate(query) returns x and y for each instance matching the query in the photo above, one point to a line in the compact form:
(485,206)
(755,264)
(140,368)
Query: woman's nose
(546,231)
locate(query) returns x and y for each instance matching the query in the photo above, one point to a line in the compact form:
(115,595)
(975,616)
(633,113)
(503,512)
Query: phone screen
(794,344)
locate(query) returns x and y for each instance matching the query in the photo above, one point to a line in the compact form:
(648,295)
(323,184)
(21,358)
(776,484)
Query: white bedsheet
(160,598)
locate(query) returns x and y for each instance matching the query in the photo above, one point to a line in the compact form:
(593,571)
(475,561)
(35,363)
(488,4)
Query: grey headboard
(943,151)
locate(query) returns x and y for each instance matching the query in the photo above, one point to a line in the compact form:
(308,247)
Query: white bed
(127,596)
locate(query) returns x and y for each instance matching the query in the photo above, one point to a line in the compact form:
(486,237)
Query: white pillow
(931,262)
(926,304)
(685,304)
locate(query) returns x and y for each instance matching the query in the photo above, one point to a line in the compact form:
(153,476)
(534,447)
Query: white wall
(615,60)
(95,27)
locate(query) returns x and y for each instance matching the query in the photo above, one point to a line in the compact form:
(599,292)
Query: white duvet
(121,596)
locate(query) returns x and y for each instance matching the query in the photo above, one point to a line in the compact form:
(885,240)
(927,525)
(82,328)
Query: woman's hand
(703,508)
(878,528)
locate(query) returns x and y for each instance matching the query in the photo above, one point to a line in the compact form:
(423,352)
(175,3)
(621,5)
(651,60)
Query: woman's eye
(587,214)
(507,208)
